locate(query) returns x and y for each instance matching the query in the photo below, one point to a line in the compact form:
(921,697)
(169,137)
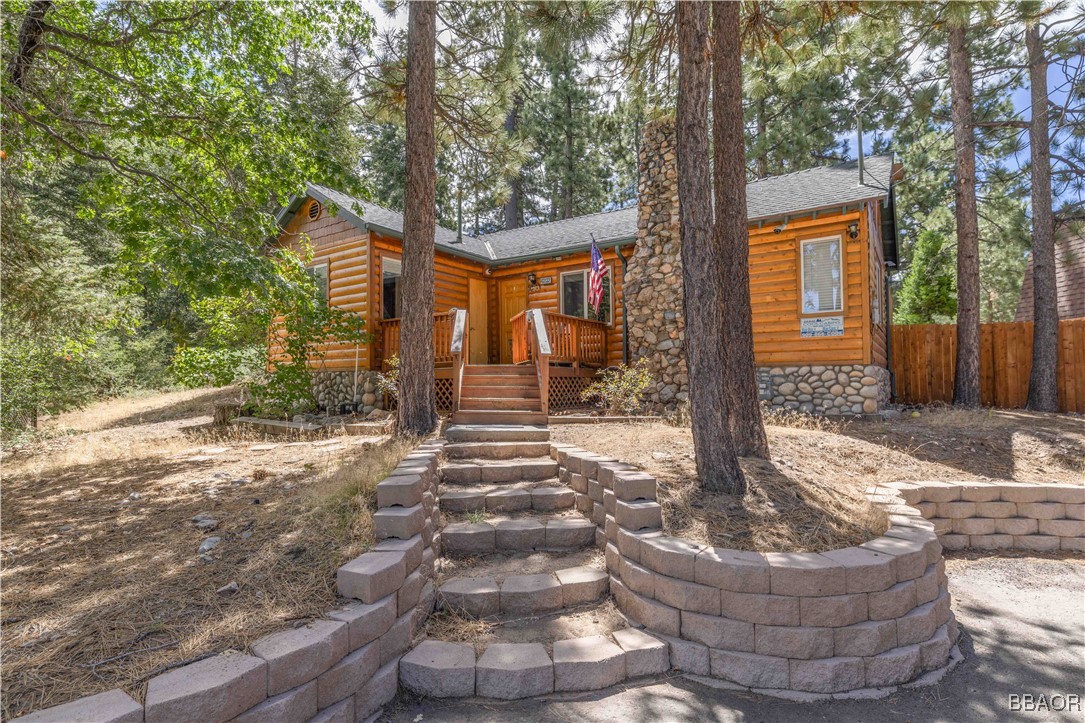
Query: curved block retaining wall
(340,668)
(867,617)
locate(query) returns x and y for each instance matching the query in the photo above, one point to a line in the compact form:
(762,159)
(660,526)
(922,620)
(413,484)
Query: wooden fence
(923,360)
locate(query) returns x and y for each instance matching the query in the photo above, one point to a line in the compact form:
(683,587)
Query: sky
(1021,98)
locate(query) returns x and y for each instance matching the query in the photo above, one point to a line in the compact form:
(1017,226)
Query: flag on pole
(599,270)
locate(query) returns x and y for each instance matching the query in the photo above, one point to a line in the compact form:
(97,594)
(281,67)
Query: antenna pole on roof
(859,127)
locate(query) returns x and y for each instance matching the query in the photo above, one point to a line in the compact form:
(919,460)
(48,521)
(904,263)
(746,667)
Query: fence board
(924,364)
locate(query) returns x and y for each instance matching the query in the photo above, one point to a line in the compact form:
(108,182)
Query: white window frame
(802,277)
(385,260)
(584,273)
(327,280)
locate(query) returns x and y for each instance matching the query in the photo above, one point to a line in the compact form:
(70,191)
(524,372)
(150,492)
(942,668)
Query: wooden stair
(499,394)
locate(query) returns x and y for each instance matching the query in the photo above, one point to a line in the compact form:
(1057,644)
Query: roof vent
(314,210)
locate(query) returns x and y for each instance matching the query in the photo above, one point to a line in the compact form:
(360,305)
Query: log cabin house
(515,339)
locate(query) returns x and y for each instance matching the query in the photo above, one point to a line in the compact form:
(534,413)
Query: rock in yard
(662,456)
(208,544)
(204,521)
(229,589)
(135,496)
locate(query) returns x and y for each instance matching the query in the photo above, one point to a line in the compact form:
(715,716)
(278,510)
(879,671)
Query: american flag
(599,270)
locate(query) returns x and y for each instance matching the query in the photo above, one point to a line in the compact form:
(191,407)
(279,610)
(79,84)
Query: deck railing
(443,323)
(576,341)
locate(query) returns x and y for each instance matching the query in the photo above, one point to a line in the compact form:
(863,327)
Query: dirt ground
(102,582)
(808,496)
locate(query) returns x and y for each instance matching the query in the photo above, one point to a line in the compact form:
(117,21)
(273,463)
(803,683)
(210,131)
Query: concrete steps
(497,450)
(471,433)
(481,597)
(546,496)
(492,417)
(490,471)
(531,532)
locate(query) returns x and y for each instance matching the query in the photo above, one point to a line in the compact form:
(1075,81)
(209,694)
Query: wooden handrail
(576,341)
(458,349)
(442,338)
(540,346)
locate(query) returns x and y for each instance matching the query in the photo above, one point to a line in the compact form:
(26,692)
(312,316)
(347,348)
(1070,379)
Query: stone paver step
(524,533)
(510,671)
(496,433)
(523,594)
(497,450)
(545,496)
(488,471)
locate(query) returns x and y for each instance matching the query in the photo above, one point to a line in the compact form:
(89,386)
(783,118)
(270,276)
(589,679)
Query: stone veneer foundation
(330,389)
(344,667)
(825,389)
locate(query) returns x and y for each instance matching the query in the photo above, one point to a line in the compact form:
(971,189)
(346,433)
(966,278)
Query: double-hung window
(822,275)
(574,296)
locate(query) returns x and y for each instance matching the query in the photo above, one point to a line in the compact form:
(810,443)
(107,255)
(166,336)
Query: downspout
(889,339)
(625,316)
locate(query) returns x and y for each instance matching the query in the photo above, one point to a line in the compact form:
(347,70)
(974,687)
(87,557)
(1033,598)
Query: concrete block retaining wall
(1002,515)
(872,616)
(343,667)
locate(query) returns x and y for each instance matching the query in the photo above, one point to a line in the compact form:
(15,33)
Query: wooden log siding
(449,289)
(923,363)
(775,294)
(344,248)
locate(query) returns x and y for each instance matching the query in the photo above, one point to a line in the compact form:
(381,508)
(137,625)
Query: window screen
(319,275)
(822,276)
(390,273)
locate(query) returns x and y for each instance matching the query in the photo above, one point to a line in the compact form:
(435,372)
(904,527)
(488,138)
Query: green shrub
(619,389)
(388,382)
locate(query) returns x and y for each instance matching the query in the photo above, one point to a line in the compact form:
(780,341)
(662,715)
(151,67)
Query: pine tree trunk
(567,190)
(966,385)
(512,205)
(702,261)
(417,408)
(1043,385)
(732,233)
(762,156)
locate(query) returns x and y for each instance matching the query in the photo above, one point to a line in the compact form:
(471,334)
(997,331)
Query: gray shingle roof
(770,198)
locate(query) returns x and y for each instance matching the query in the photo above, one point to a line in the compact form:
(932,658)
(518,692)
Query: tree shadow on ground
(984,443)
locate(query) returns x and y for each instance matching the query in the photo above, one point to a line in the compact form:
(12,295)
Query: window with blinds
(822,276)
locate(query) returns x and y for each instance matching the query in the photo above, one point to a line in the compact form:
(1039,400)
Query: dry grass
(809,496)
(102,587)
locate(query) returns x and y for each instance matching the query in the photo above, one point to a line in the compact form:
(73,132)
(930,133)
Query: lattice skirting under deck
(565,392)
(442,390)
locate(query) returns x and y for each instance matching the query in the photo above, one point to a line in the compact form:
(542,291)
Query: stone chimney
(653,280)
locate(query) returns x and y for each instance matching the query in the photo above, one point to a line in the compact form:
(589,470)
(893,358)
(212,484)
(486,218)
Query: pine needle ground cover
(103,585)
(809,496)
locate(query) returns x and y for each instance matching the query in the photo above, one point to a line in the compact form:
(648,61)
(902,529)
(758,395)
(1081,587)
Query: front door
(511,300)
(477,341)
